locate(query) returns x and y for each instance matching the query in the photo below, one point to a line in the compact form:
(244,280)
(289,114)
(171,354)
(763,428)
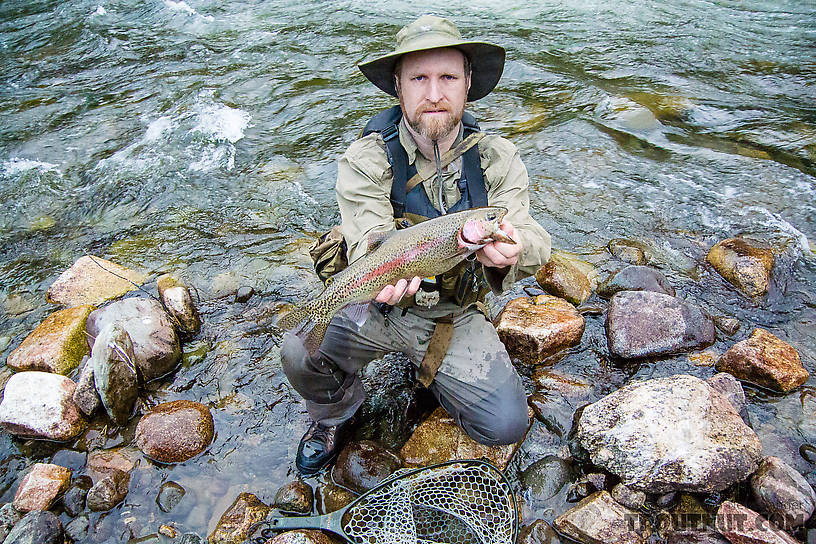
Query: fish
(429,248)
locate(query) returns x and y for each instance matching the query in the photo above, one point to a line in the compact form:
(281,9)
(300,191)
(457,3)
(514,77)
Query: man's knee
(504,423)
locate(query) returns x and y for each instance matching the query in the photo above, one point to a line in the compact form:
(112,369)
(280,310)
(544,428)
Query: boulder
(538,532)
(668,434)
(533,328)
(102,463)
(546,477)
(114,370)
(38,527)
(175,431)
(234,525)
(41,487)
(628,497)
(360,466)
(646,324)
(629,251)
(92,280)
(598,519)
(302,536)
(439,438)
(729,387)
(170,494)
(559,277)
(746,265)
(295,497)
(331,497)
(108,492)
(783,493)
(40,405)
(155,344)
(636,278)
(764,360)
(57,344)
(179,304)
(8,517)
(741,525)
(86,396)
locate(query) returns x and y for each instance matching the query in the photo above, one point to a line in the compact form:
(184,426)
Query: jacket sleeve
(507,186)
(363,193)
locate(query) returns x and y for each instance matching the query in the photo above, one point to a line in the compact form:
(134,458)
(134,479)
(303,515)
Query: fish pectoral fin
(357,312)
(375,239)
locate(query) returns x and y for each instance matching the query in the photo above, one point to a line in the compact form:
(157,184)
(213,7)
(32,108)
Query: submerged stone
(174,432)
(765,360)
(628,251)
(92,280)
(295,497)
(234,525)
(108,492)
(636,278)
(744,264)
(360,466)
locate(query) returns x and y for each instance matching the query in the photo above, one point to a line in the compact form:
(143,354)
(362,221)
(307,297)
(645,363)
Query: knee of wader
(294,358)
(507,425)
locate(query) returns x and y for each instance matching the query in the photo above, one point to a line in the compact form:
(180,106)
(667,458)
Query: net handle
(328,522)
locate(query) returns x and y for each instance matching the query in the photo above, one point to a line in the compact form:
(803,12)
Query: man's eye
(418,78)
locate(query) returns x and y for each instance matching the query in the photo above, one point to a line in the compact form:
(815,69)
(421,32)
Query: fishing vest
(463,284)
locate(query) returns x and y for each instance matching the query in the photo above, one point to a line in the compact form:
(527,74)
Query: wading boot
(319,446)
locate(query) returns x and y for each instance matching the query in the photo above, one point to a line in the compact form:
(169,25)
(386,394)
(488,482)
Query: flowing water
(200,138)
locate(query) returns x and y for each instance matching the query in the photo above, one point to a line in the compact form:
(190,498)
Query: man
(433,72)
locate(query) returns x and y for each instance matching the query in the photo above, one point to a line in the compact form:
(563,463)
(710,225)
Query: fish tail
(306,323)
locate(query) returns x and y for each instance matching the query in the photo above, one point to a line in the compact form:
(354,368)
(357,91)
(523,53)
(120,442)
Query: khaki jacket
(364,187)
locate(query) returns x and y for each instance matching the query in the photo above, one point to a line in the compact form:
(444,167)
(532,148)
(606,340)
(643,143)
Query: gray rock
(40,405)
(669,434)
(808,453)
(538,532)
(180,306)
(109,491)
(783,493)
(695,537)
(74,500)
(39,527)
(85,396)
(113,362)
(729,387)
(636,278)
(77,529)
(628,497)
(296,497)
(362,465)
(8,517)
(546,477)
(170,494)
(728,325)
(644,324)
(156,346)
(598,519)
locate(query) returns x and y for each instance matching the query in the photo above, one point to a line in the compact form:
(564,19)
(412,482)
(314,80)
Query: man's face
(432,88)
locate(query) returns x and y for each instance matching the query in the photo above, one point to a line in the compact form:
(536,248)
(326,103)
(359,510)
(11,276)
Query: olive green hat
(429,32)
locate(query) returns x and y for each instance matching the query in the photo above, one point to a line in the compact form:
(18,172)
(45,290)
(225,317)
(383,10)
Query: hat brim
(486,60)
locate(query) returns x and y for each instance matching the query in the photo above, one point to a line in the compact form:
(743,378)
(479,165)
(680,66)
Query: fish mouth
(477,233)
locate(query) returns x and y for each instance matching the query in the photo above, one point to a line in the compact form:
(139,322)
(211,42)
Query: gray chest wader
(463,284)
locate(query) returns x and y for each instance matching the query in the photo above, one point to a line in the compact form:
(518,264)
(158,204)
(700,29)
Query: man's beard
(435,126)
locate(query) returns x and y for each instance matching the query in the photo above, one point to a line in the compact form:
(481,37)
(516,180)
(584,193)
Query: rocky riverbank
(667,459)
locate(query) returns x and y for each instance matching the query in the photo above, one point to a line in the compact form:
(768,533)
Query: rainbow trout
(426,249)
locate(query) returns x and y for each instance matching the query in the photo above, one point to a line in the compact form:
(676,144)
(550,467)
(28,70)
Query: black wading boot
(320,446)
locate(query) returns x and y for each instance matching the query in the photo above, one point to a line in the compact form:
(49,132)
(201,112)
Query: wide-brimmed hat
(430,32)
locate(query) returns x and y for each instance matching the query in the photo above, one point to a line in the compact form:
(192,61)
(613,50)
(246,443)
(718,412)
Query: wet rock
(102,463)
(295,497)
(41,487)
(746,265)
(108,492)
(243,294)
(668,434)
(559,277)
(302,536)
(331,497)
(40,405)
(628,251)
(728,325)
(538,532)
(362,465)
(190,538)
(580,490)
(38,527)
(636,278)
(179,304)
(170,494)
(439,438)
(175,431)
(113,363)
(764,360)
(568,387)
(644,324)
(74,499)
(92,280)
(77,529)
(235,523)
(808,453)
(598,519)
(695,536)
(533,328)
(546,477)
(741,525)
(729,387)
(628,497)
(155,344)
(57,344)
(85,395)
(8,517)
(667,500)
(784,493)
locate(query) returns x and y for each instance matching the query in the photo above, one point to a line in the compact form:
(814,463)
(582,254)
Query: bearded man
(391,178)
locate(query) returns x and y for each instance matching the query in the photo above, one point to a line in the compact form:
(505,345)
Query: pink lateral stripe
(397,261)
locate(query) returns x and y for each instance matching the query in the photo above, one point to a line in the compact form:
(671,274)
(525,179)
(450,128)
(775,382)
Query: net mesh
(453,504)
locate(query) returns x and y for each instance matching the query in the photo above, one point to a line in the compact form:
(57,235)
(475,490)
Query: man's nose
(434,91)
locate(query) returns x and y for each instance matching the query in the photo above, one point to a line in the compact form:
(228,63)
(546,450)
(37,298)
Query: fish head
(483,226)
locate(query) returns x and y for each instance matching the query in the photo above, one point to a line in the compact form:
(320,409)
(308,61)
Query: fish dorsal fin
(375,239)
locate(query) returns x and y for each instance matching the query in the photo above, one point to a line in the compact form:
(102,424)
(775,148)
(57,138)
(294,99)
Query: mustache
(428,106)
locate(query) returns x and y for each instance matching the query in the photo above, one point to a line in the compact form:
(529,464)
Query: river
(200,137)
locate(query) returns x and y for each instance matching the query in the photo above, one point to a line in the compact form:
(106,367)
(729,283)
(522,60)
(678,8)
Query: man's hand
(501,254)
(392,294)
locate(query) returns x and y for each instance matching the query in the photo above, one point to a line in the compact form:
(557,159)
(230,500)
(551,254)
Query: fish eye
(491,216)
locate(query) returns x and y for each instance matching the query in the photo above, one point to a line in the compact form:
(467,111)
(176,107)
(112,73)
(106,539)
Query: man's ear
(396,84)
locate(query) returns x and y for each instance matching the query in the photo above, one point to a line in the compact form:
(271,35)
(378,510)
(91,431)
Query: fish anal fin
(357,312)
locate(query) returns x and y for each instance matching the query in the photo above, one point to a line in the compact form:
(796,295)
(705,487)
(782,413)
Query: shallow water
(200,138)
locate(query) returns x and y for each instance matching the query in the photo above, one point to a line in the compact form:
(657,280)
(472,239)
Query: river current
(201,137)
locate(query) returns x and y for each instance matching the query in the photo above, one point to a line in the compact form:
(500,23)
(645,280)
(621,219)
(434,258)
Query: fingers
(392,294)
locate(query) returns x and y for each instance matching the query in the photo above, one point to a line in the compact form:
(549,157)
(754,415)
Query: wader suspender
(472,172)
